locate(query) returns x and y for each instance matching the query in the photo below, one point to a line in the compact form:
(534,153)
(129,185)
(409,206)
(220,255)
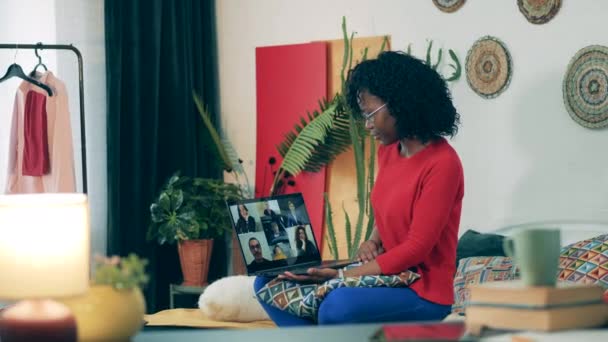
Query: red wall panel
(290,79)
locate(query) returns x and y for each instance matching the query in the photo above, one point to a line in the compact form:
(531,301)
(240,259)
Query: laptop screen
(274,232)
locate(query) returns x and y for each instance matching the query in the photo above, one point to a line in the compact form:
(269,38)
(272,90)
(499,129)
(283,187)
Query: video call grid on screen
(268,230)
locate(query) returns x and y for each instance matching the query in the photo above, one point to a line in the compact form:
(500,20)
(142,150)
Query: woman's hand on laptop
(315,275)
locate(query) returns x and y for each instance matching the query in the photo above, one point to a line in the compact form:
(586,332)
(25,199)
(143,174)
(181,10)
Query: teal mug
(536,253)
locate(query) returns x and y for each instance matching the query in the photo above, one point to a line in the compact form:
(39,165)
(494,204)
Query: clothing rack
(70,47)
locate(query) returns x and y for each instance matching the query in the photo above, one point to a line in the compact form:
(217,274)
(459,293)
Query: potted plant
(114,306)
(191,212)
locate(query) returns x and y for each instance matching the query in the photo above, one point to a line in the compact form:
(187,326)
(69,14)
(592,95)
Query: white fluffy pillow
(232,299)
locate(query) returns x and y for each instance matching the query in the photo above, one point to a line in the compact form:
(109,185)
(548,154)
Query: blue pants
(362,305)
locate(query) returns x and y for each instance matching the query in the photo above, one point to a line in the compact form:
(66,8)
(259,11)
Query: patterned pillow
(585,262)
(478,270)
(303,300)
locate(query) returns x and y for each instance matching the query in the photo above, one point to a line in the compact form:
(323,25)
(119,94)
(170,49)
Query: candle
(37,320)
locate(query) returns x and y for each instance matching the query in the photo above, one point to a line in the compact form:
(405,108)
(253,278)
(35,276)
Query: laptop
(275,235)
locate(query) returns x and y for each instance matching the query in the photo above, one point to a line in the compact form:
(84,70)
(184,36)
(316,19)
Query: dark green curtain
(157,52)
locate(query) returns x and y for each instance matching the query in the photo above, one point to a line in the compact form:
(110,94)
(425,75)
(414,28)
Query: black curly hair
(416,95)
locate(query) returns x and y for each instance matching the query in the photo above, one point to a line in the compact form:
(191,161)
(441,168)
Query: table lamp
(44,254)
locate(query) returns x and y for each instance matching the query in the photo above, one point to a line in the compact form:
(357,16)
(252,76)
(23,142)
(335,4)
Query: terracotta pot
(107,314)
(194,258)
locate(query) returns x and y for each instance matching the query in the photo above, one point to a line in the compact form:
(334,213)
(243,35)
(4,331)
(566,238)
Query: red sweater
(417,203)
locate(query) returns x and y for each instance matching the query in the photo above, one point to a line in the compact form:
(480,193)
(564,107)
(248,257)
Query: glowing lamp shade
(44,246)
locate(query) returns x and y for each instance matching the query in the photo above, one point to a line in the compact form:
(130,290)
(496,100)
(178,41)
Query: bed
(571,231)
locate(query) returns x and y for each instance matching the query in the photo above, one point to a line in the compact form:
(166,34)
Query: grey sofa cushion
(473,243)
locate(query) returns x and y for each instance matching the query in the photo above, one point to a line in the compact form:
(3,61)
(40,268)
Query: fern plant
(298,148)
(331,138)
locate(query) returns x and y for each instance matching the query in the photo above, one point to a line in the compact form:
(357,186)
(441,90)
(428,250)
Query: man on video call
(259,262)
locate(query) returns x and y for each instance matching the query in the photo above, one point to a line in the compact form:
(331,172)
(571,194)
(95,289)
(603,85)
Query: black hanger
(33,73)
(15,70)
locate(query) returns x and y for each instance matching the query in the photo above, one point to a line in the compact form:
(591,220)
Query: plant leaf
(440,54)
(428,53)
(384,45)
(350,58)
(370,226)
(309,138)
(359,150)
(347,227)
(176,200)
(156,212)
(164,202)
(173,180)
(456,66)
(215,136)
(345,57)
(364,54)
(337,140)
(331,232)
(187,217)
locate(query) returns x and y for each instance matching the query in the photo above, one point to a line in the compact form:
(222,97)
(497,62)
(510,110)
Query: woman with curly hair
(417,197)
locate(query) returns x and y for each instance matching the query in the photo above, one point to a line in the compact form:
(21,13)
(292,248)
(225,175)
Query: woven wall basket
(488,67)
(539,11)
(449,6)
(585,87)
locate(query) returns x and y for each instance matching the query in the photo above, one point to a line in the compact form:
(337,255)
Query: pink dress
(41,156)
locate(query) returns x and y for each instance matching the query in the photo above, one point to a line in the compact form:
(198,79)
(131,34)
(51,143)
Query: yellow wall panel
(341,175)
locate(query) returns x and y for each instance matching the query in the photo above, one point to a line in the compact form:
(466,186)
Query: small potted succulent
(113,308)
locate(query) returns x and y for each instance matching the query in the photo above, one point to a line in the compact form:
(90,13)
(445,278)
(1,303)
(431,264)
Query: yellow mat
(194,318)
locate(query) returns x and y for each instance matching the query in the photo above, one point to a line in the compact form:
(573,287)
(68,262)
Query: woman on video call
(305,247)
(245,223)
(416,199)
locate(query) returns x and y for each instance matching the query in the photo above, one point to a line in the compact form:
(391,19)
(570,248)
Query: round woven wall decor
(449,6)
(585,87)
(488,67)
(539,11)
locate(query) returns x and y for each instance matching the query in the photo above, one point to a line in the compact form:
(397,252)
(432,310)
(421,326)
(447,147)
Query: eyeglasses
(255,246)
(370,116)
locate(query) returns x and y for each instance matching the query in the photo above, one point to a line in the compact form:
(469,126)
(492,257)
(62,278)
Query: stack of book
(510,305)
